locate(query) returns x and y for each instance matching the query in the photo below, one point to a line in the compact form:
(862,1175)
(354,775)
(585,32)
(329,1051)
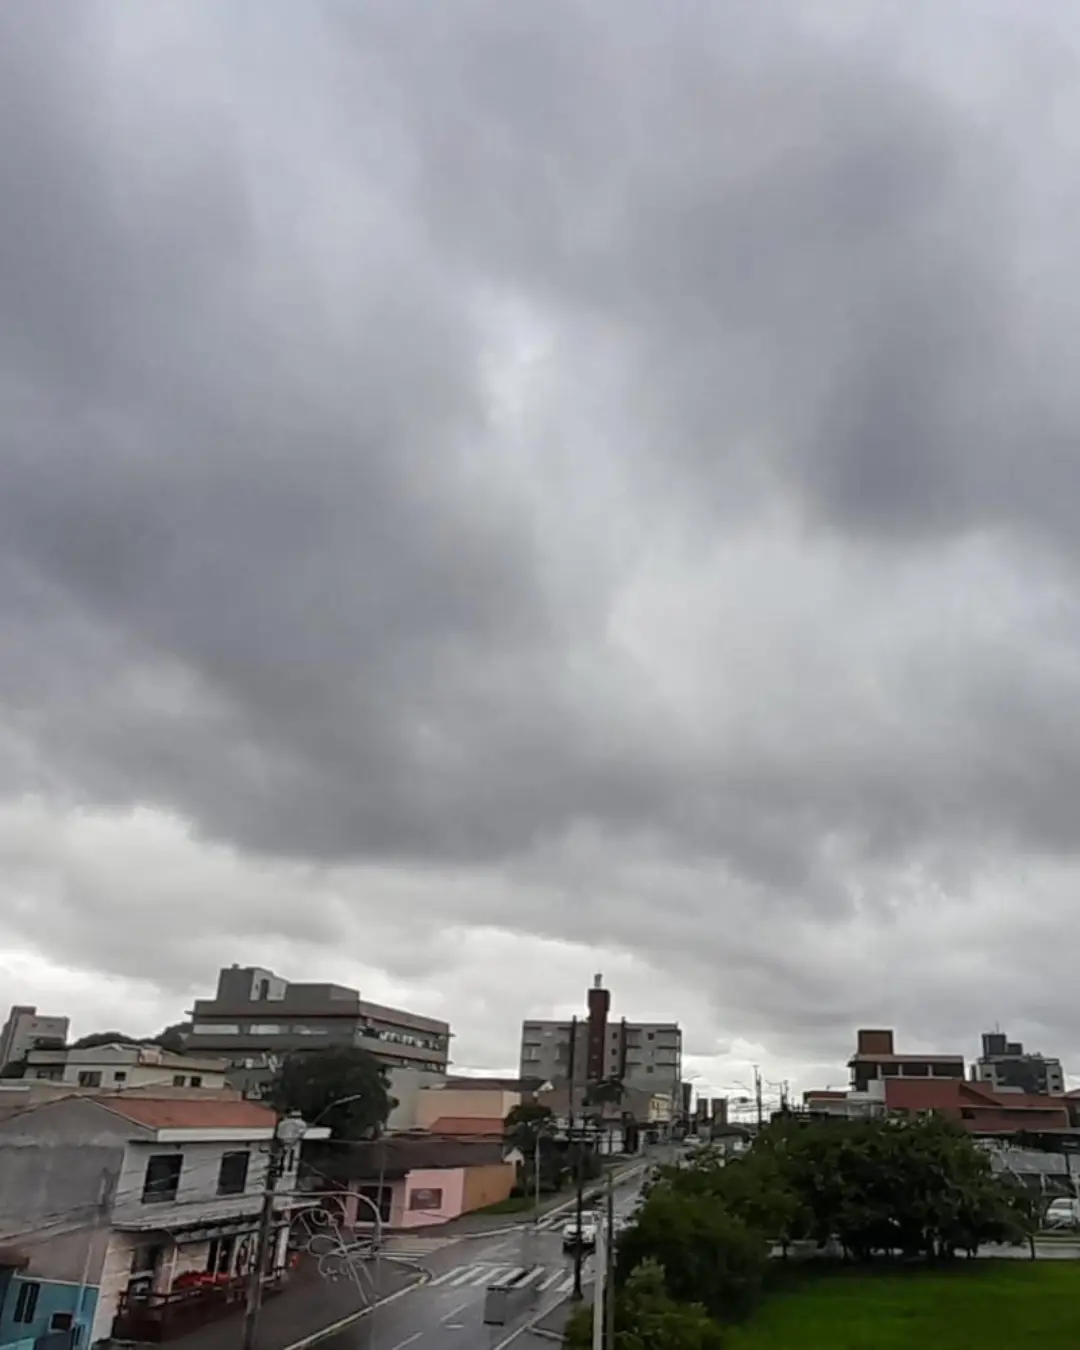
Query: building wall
(24,1027)
(407,1087)
(53,1298)
(464,1104)
(198,1183)
(449,1185)
(487,1185)
(123,1067)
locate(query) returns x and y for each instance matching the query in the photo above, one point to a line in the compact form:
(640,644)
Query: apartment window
(232,1176)
(89,1077)
(162,1180)
(178,1080)
(196,1080)
(216,1029)
(27,1301)
(650,1036)
(119,1075)
(264,1029)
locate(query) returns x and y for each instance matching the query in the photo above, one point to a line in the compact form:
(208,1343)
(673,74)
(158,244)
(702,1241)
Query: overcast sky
(492,492)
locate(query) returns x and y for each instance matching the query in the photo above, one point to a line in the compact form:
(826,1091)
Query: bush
(648,1318)
(707,1255)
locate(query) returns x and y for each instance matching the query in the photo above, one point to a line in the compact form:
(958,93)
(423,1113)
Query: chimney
(599,1001)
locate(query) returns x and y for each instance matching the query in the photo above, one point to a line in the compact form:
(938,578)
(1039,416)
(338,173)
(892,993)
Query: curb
(334,1327)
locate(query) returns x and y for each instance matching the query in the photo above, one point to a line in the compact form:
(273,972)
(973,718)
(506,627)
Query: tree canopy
(648,1318)
(342,1087)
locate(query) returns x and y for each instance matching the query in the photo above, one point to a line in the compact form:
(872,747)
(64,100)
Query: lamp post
(287,1134)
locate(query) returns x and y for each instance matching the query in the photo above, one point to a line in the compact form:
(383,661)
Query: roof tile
(178,1113)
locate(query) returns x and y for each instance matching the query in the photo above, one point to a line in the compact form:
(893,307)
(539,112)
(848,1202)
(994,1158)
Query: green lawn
(992,1305)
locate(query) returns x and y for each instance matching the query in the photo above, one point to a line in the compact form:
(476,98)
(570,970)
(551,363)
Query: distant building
(26,1029)
(641,1055)
(256,1019)
(1006,1067)
(123,1066)
(875,1057)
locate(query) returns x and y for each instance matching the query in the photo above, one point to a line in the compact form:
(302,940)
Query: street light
(288,1132)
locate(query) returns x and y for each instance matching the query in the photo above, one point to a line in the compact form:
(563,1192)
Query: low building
(256,1019)
(117,1212)
(26,1029)
(1006,1066)
(875,1057)
(122,1065)
(413,1181)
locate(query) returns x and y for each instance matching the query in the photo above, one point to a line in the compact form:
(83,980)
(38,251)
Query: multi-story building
(593,1050)
(256,1019)
(110,1206)
(26,1030)
(875,1057)
(1006,1067)
(123,1066)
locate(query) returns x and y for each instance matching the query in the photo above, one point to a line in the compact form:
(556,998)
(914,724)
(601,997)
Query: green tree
(343,1087)
(172,1037)
(96,1038)
(527,1125)
(648,1318)
(708,1255)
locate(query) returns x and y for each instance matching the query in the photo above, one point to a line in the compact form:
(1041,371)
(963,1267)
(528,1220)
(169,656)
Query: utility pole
(609,1274)
(289,1131)
(575,1146)
(536,1177)
(757,1097)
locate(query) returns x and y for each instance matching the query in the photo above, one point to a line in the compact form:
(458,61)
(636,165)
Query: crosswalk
(415,1248)
(556,1280)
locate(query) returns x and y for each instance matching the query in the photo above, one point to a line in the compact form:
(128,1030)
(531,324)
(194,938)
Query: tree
(648,1318)
(172,1037)
(343,1087)
(708,1255)
(96,1038)
(527,1125)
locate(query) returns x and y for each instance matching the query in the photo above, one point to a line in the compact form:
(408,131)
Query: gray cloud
(512,471)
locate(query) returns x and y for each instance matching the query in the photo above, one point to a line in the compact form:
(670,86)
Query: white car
(573,1236)
(1063,1213)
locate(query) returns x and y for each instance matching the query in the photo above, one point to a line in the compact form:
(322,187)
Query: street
(446,1313)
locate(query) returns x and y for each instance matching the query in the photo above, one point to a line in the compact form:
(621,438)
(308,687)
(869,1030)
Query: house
(114,1208)
(119,1066)
(414,1180)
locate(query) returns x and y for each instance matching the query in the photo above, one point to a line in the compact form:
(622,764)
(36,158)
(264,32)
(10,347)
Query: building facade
(111,1207)
(256,1019)
(875,1058)
(595,1049)
(1006,1066)
(26,1029)
(121,1067)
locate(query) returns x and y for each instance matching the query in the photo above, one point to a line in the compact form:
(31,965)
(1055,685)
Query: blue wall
(53,1298)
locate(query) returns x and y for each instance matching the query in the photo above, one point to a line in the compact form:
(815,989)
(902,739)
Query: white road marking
(442,1279)
(454,1311)
(407,1341)
(465,1276)
(552,1279)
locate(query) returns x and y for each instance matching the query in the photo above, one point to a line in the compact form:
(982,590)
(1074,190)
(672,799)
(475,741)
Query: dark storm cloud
(603,462)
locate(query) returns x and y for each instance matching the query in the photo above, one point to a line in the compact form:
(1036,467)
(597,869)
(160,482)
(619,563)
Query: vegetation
(343,1087)
(914,1192)
(171,1038)
(648,1318)
(995,1305)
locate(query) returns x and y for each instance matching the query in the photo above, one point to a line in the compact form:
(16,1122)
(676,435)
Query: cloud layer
(488,492)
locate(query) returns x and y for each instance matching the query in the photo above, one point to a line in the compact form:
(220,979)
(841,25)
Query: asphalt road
(446,1313)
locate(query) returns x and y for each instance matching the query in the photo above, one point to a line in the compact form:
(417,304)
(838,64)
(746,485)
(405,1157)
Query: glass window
(232,1176)
(27,1301)
(120,1075)
(178,1080)
(215,1029)
(162,1180)
(89,1077)
(264,1029)
(196,1080)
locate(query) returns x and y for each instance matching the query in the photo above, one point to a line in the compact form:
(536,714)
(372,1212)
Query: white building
(120,1066)
(25,1029)
(105,1202)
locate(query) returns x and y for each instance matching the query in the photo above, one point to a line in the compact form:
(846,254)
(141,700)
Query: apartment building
(875,1058)
(256,1018)
(123,1066)
(26,1029)
(646,1056)
(1006,1066)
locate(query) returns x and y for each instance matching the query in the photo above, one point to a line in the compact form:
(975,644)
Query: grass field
(994,1305)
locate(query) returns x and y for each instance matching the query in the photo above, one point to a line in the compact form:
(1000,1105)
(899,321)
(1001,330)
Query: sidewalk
(310,1308)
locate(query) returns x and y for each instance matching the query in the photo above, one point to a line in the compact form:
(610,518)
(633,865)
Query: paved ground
(305,1308)
(446,1313)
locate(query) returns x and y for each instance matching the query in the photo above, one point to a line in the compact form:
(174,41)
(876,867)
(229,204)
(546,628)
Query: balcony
(155,1318)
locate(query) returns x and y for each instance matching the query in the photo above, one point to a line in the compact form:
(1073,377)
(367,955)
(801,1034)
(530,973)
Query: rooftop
(178,1113)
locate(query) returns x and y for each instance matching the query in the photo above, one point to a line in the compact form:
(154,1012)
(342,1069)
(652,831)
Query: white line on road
(552,1279)
(454,1311)
(442,1279)
(407,1341)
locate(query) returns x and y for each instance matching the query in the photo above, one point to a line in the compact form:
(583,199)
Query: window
(263,1029)
(120,1075)
(89,1077)
(162,1180)
(216,1029)
(232,1176)
(144,1260)
(196,1080)
(178,1080)
(26,1303)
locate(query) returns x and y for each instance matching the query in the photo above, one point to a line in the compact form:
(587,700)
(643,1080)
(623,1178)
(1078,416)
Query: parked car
(573,1236)
(1063,1213)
